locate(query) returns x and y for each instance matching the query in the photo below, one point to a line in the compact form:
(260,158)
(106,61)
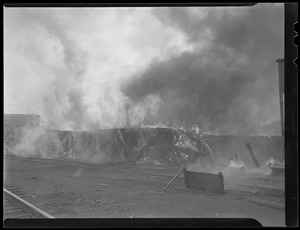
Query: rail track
(16,207)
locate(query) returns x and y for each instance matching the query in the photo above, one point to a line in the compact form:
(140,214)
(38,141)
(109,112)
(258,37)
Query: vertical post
(281,98)
(252,155)
(281,92)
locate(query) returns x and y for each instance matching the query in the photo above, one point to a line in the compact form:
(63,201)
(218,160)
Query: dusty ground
(129,192)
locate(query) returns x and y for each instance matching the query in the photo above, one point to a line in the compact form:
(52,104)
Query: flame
(160,125)
(270,162)
(184,156)
(147,160)
(236,164)
(273,162)
(196,129)
(185,142)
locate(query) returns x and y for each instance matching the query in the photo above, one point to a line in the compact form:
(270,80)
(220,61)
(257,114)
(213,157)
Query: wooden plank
(252,155)
(173,179)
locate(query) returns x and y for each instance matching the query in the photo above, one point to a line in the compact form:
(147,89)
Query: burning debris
(274,163)
(236,164)
(149,145)
(148,161)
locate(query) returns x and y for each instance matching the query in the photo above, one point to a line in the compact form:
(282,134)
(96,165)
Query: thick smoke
(97,68)
(54,67)
(229,82)
(67,64)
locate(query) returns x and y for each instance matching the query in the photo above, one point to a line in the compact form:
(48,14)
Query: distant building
(14,125)
(22,120)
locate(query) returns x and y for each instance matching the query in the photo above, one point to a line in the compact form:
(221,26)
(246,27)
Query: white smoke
(68,64)
(28,144)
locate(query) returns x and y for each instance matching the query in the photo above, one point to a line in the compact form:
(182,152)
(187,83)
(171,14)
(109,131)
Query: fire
(147,160)
(184,156)
(273,162)
(185,142)
(236,164)
(160,125)
(196,129)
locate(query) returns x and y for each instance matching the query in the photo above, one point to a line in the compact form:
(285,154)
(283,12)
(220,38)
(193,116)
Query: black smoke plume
(228,83)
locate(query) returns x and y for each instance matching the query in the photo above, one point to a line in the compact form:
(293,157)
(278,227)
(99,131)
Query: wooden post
(173,179)
(252,154)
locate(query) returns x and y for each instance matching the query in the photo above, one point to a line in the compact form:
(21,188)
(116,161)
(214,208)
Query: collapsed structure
(144,145)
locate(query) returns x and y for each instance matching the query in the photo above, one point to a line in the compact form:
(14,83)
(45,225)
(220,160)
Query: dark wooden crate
(201,181)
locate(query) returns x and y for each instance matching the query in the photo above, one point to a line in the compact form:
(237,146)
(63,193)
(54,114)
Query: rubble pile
(145,145)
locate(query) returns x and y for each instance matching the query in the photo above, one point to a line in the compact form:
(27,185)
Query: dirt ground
(130,192)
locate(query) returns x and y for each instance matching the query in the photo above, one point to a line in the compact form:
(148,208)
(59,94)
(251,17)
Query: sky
(92,68)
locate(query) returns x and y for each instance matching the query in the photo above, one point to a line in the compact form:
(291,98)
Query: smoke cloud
(228,83)
(67,64)
(92,68)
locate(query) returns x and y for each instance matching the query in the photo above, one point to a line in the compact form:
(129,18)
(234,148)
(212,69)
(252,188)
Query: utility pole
(281,91)
(281,94)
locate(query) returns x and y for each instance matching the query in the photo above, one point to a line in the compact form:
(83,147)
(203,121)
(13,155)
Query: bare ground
(131,192)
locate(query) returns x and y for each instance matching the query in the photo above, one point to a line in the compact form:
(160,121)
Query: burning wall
(140,145)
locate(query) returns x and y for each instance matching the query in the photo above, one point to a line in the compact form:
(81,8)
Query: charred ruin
(165,146)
